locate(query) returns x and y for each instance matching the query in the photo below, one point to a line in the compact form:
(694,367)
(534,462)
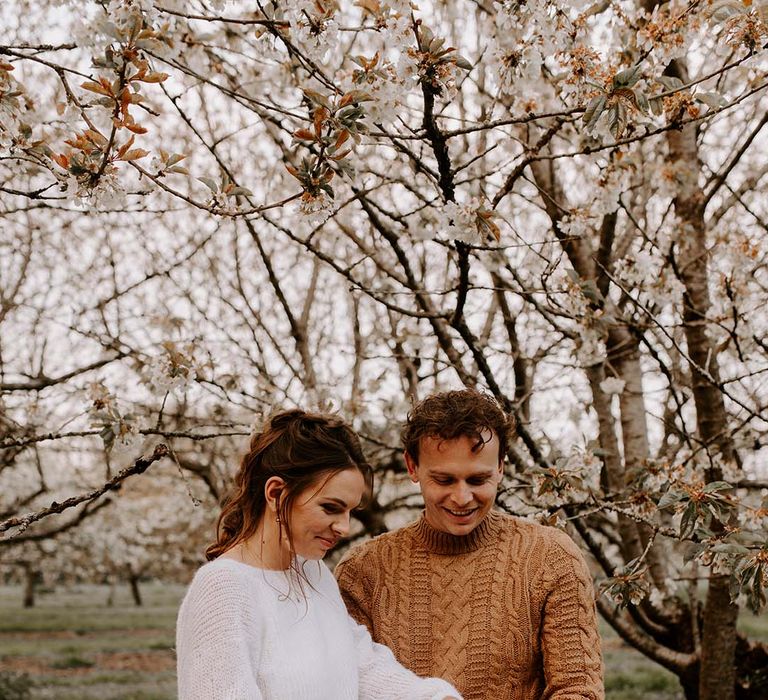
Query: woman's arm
(216,640)
(382,677)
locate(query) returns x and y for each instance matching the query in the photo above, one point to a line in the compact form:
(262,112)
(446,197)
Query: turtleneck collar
(439,542)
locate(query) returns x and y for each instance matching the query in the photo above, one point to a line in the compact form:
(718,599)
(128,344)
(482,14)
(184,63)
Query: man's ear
(413,468)
(500,473)
(273,489)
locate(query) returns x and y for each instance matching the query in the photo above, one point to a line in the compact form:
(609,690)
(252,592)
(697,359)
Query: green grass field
(74,647)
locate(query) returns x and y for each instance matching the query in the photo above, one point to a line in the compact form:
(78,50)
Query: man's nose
(462,494)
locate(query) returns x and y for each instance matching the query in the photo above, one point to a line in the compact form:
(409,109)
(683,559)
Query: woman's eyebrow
(341,502)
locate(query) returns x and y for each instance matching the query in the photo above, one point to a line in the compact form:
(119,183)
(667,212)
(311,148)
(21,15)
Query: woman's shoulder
(227,580)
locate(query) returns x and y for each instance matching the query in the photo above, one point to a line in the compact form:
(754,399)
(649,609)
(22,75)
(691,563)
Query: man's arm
(355,587)
(573,667)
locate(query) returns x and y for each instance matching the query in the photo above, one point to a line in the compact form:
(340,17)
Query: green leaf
(619,120)
(729,548)
(693,551)
(240,190)
(573,275)
(717,486)
(688,522)
(436,44)
(627,78)
(175,158)
(670,82)
(602,452)
(462,62)
(425,38)
(210,183)
(671,497)
(723,11)
(108,436)
(590,291)
(642,103)
(594,110)
(711,99)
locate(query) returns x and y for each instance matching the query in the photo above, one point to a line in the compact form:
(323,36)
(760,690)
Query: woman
(263,619)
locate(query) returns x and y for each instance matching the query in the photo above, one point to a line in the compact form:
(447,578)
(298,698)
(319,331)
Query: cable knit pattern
(505,613)
(250,634)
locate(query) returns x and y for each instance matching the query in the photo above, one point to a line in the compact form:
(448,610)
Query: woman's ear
(273,490)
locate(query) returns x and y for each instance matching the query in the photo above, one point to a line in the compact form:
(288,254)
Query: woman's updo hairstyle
(301,448)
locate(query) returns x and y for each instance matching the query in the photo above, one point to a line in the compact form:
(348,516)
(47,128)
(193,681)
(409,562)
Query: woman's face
(320,515)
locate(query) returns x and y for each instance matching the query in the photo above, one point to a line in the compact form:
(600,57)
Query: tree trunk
(133,580)
(30,577)
(717,679)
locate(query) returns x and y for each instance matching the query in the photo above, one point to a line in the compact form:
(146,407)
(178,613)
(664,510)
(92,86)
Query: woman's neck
(267,548)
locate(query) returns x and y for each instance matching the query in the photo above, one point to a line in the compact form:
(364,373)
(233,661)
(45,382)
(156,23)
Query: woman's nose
(341,525)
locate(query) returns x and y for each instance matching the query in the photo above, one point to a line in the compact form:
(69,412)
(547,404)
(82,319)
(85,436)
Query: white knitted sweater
(250,634)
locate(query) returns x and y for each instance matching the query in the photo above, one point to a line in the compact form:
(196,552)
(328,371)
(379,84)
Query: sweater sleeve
(214,646)
(570,642)
(382,677)
(355,587)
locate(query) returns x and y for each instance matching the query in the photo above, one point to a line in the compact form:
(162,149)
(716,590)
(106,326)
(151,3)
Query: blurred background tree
(214,209)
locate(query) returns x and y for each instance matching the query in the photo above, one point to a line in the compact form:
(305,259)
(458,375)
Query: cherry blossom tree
(214,208)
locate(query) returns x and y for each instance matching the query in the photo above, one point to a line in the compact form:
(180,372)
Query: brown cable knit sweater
(504,613)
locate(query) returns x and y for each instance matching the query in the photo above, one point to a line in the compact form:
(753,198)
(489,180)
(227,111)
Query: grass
(75,647)
(630,676)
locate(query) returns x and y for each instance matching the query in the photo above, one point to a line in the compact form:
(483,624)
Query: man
(499,606)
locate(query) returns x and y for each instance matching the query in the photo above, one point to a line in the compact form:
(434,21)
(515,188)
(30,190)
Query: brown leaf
(372,7)
(125,147)
(154,78)
(304,135)
(342,137)
(95,87)
(319,118)
(61,160)
(135,154)
(95,137)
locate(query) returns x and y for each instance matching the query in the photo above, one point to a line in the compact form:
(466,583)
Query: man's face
(458,485)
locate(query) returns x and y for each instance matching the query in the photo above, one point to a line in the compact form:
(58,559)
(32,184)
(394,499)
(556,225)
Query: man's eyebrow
(437,472)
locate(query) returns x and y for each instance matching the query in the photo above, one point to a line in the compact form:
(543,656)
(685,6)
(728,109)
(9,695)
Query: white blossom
(612,385)
(124,13)
(315,208)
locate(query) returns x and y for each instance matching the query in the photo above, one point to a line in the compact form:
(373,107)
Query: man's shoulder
(367,552)
(538,535)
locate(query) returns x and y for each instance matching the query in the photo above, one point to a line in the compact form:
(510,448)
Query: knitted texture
(504,613)
(250,634)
